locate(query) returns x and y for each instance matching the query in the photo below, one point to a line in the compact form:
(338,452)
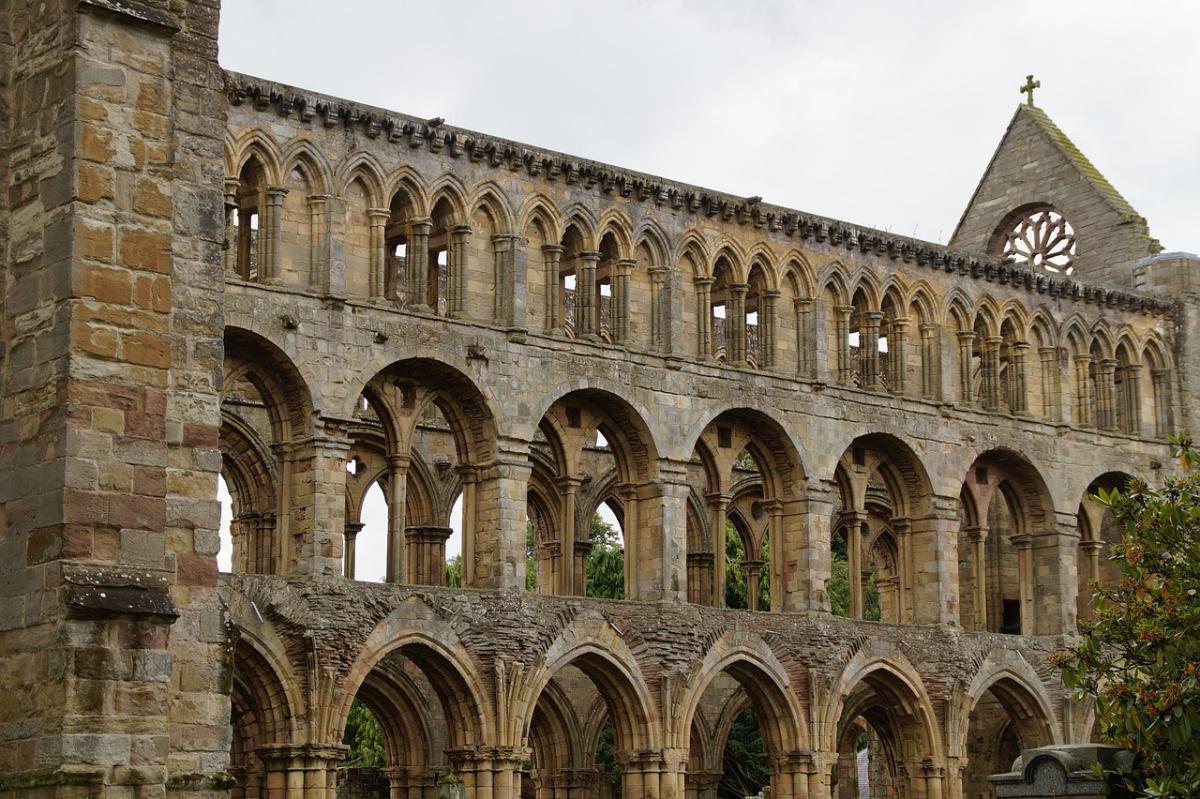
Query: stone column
(700,578)
(569,486)
(230,249)
(991,372)
(753,569)
(1018,384)
(348,552)
(660,307)
(930,372)
(416,266)
(458,263)
(511,285)
(1026,585)
(621,300)
(637,584)
(320,500)
(377,219)
(704,318)
(933,778)
(869,344)
(905,569)
(1085,410)
(495,517)
(582,549)
(272,263)
(425,546)
(978,536)
(1133,398)
(1091,549)
(285,457)
(842,315)
(306,771)
(587,317)
(1051,398)
(898,354)
(718,504)
(778,548)
(656,536)
(735,321)
(966,347)
(856,530)
(397,488)
(319,246)
(551,258)
(805,351)
(767,323)
(1107,418)
(1162,401)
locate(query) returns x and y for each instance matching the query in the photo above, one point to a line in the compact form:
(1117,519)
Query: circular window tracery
(1041,237)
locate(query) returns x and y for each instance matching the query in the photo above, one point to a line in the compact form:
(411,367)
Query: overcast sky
(879,113)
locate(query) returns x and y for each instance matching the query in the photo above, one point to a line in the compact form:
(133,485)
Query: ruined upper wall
(341,128)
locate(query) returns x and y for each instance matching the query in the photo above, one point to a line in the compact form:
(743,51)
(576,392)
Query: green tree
(605,561)
(454,572)
(745,769)
(364,737)
(1139,656)
(606,760)
(838,587)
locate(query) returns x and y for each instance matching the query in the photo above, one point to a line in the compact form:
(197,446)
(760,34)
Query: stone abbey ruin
(207,275)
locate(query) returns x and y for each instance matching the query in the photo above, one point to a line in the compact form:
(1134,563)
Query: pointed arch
(692,245)
(365,168)
(303,153)
(408,182)
(538,209)
(491,197)
(450,190)
(258,143)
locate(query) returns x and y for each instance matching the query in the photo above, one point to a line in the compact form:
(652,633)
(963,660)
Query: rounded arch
(403,390)
(896,462)
(634,442)
(288,398)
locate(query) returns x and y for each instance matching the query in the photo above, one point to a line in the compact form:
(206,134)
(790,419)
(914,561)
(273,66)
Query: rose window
(1041,237)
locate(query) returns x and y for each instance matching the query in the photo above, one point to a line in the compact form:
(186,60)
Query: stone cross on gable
(1030,85)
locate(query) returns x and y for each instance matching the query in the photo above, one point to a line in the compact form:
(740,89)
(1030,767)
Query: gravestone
(1059,771)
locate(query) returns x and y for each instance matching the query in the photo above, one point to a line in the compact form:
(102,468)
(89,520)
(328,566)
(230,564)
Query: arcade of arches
(851,472)
(851,491)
